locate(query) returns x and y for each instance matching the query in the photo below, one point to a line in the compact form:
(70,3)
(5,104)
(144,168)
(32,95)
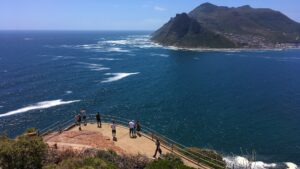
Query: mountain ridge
(212,26)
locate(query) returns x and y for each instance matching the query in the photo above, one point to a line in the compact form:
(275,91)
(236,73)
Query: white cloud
(159,8)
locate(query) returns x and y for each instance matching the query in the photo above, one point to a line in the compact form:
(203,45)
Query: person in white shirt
(131,128)
(113,130)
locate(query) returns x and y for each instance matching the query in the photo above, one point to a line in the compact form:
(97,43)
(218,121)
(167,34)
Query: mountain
(211,26)
(185,31)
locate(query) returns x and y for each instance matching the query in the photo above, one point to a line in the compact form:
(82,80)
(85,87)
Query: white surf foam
(94,66)
(117,76)
(291,165)
(118,42)
(1,106)
(68,92)
(100,46)
(116,49)
(108,59)
(242,162)
(161,55)
(38,106)
(62,57)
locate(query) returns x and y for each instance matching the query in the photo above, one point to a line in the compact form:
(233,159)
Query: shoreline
(223,49)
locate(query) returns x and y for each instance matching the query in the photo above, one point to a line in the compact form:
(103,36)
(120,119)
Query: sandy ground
(91,136)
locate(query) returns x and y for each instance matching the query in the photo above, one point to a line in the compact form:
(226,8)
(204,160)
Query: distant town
(252,41)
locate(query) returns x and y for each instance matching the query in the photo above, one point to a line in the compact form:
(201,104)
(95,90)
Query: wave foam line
(117,76)
(108,59)
(94,66)
(291,165)
(161,55)
(116,49)
(242,162)
(38,106)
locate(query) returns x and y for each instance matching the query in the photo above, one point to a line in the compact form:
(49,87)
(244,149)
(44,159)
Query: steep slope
(214,26)
(183,31)
(271,25)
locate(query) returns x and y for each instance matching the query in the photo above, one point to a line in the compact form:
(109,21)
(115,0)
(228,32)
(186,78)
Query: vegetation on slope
(184,31)
(211,26)
(30,152)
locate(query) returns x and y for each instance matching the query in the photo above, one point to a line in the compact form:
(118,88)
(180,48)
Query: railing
(173,146)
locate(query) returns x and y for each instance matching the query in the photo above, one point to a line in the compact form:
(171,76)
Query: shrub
(124,161)
(79,163)
(22,153)
(168,162)
(208,157)
(30,130)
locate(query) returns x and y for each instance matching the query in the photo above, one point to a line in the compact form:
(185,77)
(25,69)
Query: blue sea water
(233,102)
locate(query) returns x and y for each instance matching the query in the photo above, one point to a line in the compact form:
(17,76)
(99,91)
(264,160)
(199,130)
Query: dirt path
(93,137)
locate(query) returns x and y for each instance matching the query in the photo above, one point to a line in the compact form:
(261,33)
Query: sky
(113,14)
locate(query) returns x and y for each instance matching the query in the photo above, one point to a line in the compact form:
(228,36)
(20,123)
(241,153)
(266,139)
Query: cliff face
(184,31)
(214,26)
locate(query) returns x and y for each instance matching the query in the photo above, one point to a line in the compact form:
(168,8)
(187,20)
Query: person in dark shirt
(78,120)
(157,143)
(138,128)
(83,114)
(98,118)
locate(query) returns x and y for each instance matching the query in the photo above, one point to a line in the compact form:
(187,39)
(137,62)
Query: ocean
(234,102)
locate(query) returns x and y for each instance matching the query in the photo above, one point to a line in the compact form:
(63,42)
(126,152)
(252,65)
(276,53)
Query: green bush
(25,152)
(208,157)
(97,163)
(124,161)
(78,163)
(30,130)
(168,162)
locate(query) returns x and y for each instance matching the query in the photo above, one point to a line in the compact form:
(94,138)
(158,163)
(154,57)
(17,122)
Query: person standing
(83,112)
(131,128)
(98,118)
(114,130)
(157,143)
(78,119)
(134,129)
(138,128)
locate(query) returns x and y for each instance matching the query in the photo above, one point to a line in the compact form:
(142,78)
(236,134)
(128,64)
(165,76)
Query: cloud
(159,8)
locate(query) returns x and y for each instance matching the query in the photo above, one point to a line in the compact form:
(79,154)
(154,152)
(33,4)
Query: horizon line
(74,30)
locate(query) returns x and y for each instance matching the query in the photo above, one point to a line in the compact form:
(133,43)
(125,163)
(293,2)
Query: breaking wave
(291,165)
(118,42)
(240,162)
(117,76)
(116,49)
(39,105)
(94,66)
(62,57)
(68,92)
(119,45)
(161,55)
(108,59)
